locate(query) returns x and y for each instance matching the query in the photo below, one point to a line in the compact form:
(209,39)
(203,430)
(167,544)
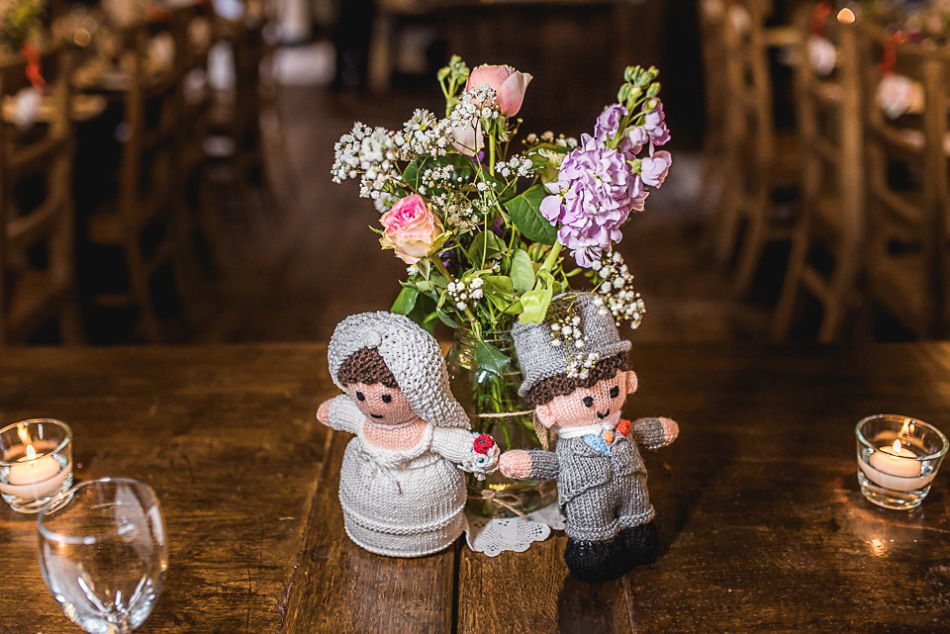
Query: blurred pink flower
(411,229)
(469,138)
(508,83)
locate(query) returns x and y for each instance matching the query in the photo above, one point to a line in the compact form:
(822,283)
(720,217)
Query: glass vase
(494,407)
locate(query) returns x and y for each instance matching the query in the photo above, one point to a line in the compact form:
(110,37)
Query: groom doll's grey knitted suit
(602,481)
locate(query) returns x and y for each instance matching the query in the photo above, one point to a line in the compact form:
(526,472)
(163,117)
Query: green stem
(552,257)
(491,153)
(440,268)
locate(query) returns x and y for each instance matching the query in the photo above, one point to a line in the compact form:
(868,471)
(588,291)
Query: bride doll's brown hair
(366,366)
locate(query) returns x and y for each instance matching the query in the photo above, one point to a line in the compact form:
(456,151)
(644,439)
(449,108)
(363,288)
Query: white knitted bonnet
(410,353)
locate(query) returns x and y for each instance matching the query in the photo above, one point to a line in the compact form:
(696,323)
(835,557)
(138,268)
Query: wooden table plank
(532,592)
(227,438)
(765,529)
(762,525)
(339,587)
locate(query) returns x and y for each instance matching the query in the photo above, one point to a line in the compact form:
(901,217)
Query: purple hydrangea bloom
(608,122)
(591,199)
(653,169)
(655,125)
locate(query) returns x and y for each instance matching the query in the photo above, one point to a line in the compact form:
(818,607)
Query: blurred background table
(762,524)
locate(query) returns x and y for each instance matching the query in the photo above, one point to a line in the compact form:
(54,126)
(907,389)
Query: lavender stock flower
(607,124)
(655,122)
(592,198)
(653,169)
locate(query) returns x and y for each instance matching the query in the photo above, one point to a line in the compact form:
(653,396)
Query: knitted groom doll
(577,379)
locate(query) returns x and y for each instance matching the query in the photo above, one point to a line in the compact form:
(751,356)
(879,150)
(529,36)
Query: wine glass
(103,553)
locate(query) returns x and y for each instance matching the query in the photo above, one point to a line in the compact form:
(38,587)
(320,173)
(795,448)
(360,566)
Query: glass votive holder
(36,464)
(898,458)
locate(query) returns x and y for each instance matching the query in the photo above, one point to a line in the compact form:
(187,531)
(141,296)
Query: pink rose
(508,83)
(411,229)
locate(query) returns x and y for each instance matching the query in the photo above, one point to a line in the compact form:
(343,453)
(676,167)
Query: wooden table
(762,523)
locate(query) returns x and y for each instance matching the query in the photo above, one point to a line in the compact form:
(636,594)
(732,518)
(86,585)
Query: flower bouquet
(485,219)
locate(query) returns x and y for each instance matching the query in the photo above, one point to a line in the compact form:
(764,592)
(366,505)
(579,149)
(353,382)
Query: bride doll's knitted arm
(340,413)
(475,453)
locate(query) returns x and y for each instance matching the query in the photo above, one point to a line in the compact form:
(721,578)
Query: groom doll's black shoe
(639,544)
(595,561)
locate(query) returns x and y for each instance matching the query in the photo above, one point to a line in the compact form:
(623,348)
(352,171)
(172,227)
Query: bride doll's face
(380,404)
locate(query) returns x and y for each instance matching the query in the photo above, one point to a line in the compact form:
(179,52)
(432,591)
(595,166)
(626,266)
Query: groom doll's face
(599,404)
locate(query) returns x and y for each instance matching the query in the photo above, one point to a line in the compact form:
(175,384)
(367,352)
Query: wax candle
(33,469)
(36,474)
(893,460)
(895,467)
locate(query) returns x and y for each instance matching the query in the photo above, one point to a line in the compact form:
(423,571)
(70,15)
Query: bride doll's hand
(482,459)
(323,413)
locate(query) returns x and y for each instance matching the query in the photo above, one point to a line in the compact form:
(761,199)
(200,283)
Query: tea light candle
(36,462)
(895,467)
(890,459)
(33,469)
(36,474)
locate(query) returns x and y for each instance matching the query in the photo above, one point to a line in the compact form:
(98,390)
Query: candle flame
(846,16)
(23,433)
(30,452)
(897,447)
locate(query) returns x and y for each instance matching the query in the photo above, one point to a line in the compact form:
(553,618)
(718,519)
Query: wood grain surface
(762,525)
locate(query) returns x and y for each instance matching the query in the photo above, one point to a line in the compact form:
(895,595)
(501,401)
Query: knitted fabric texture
(411,354)
(541,359)
(546,389)
(600,495)
(405,503)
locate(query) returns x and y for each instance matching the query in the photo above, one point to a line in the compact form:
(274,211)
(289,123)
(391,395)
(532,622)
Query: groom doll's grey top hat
(541,358)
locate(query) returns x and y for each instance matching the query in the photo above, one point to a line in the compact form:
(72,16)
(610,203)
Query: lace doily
(496,535)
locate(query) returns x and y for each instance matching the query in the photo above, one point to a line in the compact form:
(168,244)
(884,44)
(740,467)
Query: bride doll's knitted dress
(410,502)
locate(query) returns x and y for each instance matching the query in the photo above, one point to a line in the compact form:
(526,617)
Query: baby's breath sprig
(567,332)
(464,291)
(615,293)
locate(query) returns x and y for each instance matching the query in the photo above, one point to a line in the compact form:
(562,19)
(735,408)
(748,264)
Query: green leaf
(535,303)
(405,301)
(526,214)
(424,313)
(522,271)
(486,242)
(445,319)
(499,283)
(491,358)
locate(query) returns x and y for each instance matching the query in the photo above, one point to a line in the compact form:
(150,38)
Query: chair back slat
(37,228)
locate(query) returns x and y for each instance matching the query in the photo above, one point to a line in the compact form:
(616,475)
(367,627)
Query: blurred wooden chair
(192,30)
(140,221)
(906,99)
(828,240)
(236,135)
(759,161)
(711,18)
(37,225)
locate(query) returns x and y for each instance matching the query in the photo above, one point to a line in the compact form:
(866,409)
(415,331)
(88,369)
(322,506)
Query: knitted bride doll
(401,487)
